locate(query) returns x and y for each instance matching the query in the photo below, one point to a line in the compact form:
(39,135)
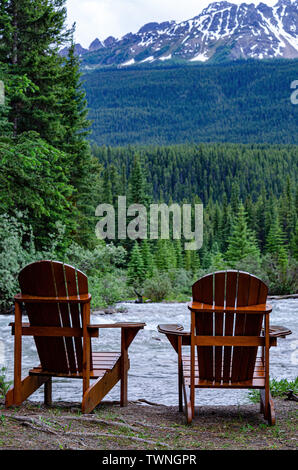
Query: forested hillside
(245,101)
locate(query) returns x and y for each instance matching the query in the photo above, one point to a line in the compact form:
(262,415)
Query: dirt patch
(141,426)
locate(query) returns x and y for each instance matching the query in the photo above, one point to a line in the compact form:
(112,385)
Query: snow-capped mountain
(222,30)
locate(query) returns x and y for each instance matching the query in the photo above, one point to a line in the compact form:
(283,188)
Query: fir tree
(136,273)
(31,34)
(137,184)
(45,95)
(148,259)
(275,239)
(217,260)
(242,242)
(294,243)
(178,252)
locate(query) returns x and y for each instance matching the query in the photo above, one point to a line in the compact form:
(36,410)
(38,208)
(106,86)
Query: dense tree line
(250,198)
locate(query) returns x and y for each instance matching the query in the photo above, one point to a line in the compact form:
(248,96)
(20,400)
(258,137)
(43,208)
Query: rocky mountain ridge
(222,31)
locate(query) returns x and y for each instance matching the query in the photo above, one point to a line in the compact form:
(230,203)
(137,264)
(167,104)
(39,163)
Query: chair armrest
(176,336)
(58,331)
(276,331)
(117,325)
(172,329)
(128,332)
(31,299)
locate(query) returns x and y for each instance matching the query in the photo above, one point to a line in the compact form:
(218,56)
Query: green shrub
(17,249)
(103,258)
(108,289)
(15,254)
(181,281)
(280,279)
(4,384)
(158,287)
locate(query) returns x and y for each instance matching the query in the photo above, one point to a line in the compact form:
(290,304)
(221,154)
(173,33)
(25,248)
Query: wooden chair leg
(48,392)
(188,406)
(180,373)
(123,393)
(17,398)
(271,414)
(267,407)
(96,392)
(124,368)
(86,348)
(28,386)
(180,392)
(261,404)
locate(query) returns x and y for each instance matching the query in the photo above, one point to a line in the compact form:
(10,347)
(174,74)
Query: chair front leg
(86,347)
(17,393)
(124,366)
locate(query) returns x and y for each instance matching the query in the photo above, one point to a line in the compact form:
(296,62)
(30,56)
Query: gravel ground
(143,426)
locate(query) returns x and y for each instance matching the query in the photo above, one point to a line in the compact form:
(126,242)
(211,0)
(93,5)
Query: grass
(147,427)
(278,388)
(4,384)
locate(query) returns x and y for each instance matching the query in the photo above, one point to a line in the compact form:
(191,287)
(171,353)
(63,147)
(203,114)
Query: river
(153,362)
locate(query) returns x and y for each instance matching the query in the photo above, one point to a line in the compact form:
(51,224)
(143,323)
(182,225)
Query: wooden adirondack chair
(57,303)
(228,312)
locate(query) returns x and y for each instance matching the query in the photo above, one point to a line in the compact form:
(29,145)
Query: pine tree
(137,184)
(294,243)
(226,225)
(107,194)
(235,198)
(216,259)
(178,252)
(195,262)
(45,95)
(31,34)
(136,273)
(5,125)
(29,160)
(242,242)
(287,210)
(187,260)
(147,258)
(275,240)
(164,256)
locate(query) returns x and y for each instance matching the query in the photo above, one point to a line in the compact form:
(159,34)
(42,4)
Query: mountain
(222,31)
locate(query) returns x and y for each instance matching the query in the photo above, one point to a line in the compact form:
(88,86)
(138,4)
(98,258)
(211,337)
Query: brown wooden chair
(57,303)
(229,339)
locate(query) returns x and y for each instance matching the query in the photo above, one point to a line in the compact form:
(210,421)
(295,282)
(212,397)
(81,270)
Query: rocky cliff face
(222,31)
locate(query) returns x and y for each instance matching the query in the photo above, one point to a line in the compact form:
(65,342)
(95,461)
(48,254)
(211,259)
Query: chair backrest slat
(59,279)
(230,289)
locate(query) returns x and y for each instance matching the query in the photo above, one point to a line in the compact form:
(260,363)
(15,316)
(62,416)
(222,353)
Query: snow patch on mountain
(221,30)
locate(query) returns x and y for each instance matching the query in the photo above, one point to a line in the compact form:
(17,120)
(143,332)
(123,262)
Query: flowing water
(153,361)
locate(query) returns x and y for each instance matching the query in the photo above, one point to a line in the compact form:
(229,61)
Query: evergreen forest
(55,169)
(246,101)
